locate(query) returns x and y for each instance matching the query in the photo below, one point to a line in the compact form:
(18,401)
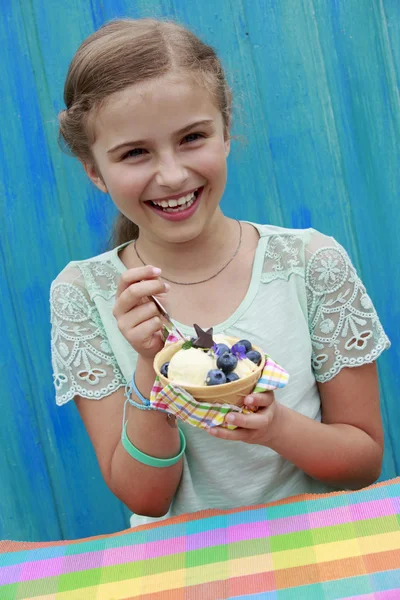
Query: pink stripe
(54,567)
(42,568)
(372,509)
(10,574)
(385,595)
(206,539)
(290,524)
(248,531)
(334,516)
(329,517)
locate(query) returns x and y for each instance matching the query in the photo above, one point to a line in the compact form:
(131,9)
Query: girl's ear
(94,176)
(227,145)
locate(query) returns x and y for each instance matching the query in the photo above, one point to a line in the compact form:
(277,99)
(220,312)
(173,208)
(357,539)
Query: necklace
(208,278)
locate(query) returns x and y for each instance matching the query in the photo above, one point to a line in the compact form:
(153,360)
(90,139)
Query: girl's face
(160,152)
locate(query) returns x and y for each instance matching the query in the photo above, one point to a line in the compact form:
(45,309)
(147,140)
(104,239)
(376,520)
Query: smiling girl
(148,114)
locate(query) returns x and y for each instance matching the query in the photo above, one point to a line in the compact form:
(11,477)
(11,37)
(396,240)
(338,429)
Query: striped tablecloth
(342,545)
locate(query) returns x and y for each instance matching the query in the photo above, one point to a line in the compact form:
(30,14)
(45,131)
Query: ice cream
(190,367)
(244,368)
(208,361)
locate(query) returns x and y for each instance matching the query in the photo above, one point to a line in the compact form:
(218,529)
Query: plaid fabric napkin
(175,400)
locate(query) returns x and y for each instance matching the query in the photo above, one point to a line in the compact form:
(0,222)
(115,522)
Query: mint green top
(305,306)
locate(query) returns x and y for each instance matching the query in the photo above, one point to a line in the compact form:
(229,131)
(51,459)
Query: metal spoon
(166,316)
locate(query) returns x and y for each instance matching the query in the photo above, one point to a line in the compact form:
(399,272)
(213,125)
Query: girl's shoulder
(286,251)
(306,236)
(97,275)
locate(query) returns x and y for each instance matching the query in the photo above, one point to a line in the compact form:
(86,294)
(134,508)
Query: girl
(148,114)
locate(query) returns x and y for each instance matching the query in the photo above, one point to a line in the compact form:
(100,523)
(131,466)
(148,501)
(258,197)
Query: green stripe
(249,548)
(9,591)
(334,533)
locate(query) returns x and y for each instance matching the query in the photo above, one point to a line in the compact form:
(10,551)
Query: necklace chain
(208,278)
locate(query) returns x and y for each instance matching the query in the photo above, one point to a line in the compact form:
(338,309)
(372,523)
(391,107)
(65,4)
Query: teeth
(176,205)
(180,208)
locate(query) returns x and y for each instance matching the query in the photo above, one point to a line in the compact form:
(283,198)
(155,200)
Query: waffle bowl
(226,393)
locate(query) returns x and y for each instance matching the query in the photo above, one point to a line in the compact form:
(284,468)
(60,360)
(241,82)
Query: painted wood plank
(317,106)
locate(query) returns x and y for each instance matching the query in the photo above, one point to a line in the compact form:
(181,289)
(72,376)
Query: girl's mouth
(177,209)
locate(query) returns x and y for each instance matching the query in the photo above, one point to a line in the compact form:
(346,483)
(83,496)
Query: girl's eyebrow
(182,131)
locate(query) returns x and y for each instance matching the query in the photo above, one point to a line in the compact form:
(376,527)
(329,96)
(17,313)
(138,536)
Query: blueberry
(220,349)
(246,344)
(215,377)
(254,356)
(164,369)
(227,362)
(232,377)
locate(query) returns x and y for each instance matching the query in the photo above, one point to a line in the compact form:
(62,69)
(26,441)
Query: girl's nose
(171,174)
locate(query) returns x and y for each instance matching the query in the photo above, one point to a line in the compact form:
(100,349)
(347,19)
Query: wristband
(148,460)
(145,402)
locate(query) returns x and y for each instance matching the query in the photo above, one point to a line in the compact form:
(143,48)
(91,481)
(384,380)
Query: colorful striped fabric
(342,545)
(177,401)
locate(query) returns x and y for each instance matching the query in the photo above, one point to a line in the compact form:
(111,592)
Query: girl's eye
(192,137)
(133,153)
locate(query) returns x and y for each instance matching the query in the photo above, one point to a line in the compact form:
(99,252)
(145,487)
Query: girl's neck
(193,260)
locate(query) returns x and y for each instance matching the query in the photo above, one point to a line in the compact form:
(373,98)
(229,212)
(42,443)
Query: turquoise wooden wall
(318,125)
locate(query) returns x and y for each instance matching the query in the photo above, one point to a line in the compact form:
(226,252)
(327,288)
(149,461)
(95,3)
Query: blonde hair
(119,54)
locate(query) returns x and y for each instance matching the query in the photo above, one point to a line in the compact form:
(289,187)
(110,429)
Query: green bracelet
(146,459)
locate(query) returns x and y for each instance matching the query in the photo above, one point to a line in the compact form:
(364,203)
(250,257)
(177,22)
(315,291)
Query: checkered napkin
(177,401)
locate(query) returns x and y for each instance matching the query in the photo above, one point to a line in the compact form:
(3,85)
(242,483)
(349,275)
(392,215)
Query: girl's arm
(144,490)
(344,450)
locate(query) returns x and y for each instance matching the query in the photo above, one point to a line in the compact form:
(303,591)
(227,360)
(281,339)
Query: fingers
(135,293)
(143,335)
(135,275)
(138,315)
(258,420)
(236,435)
(259,400)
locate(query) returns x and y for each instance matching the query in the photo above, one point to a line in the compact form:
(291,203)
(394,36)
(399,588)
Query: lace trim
(344,327)
(342,319)
(81,354)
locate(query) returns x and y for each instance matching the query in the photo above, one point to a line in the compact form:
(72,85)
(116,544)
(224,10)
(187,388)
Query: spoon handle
(166,316)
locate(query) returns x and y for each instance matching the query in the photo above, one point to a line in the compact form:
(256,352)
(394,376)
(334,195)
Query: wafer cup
(226,393)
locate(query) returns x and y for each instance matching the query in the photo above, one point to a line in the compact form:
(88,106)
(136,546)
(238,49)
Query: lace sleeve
(344,326)
(82,360)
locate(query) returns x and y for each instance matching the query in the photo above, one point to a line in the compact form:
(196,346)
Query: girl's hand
(257,428)
(137,316)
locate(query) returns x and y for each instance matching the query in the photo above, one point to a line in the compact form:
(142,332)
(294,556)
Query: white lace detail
(284,255)
(344,326)
(100,278)
(83,362)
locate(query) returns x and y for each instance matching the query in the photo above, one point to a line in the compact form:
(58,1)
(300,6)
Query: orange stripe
(320,572)
(249,584)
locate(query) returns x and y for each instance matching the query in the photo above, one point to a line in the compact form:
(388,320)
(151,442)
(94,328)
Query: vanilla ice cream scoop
(190,367)
(244,367)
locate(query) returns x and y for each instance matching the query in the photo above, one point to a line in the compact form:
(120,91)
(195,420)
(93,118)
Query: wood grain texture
(317,132)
